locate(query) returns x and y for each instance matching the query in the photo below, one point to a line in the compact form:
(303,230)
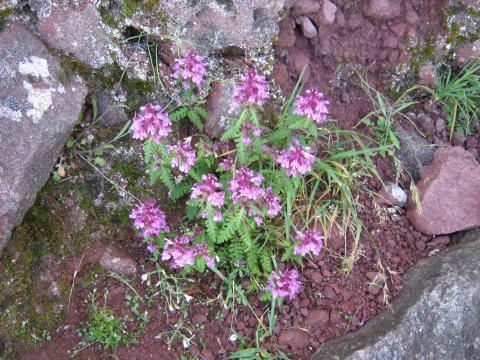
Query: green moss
(107,17)
(130,7)
(4,14)
(90,275)
(457,33)
(26,313)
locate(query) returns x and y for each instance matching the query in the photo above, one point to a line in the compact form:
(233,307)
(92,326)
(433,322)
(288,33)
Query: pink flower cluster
(246,185)
(227,163)
(185,156)
(253,90)
(284,284)
(152,122)
(296,160)
(312,105)
(209,191)
(246,189)
(309,241)
(249,129)
(149,219)
(191,68)
(181,252)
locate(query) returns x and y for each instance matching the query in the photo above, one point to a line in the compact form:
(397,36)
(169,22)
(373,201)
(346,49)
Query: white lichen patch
(40,101)
(6,112)
(34,66)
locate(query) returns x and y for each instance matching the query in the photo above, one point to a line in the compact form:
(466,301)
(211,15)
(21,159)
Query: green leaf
(100,161)
(180,189)
(179,114)
(70,143)
(195,119)
(192,211)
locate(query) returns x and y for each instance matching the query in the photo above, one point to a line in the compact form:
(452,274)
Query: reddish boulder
(449,192)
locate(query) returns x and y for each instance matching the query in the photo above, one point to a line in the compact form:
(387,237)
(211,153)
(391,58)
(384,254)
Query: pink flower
(209,191)
(190,68)
(284,284)
(312,105)
(310,241)
(152,248)
(249,129)
(296,160)
(217,215)
(152,122)
(177,251)
(203,251)
(185,156)
(271,201)
(253,90)
(149,219)
(227,163)
(246,185)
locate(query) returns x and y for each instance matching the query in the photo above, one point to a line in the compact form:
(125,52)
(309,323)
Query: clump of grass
(103,328)
(459,95)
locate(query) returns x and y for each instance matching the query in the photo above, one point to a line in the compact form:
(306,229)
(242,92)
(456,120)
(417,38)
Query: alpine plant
(238,190)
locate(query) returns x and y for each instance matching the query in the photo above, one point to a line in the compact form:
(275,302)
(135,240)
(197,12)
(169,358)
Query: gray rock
(213,25)
(37,113)
(414,152)
(436,317)
(78,30)
(110,111)
(75,30)
(308,28)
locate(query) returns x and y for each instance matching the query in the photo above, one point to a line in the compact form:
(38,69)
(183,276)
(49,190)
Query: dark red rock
(382,9)
(115,260)
(449,192)
(294,338)
(317,318)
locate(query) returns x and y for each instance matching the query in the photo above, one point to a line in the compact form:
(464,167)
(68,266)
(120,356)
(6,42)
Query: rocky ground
(78,70)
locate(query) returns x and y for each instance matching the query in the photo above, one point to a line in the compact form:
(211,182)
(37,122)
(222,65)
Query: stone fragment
(436,316)
(294,338)
(317,318)
(382,9)
(219,109)
(305,7)
(308,28)
(427,75)
(329,11)
(393,195)
(414,152)
(37,113)
(449,193)
(115,260)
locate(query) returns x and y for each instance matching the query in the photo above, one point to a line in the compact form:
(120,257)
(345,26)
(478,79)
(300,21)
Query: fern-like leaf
(179,114)
(179,190)
(195,119)
(231,225)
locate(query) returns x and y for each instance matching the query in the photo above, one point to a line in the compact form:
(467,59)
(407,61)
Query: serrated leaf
(195,119)
(180,190)
(100,161)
